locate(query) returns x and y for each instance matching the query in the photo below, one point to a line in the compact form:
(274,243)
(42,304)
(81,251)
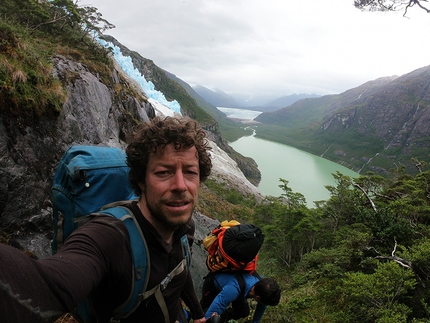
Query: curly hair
(154,135)
(268,290)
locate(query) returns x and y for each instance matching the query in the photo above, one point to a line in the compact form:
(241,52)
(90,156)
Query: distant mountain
(310,111)
(377,126)
(257,101)
(287,100)
(260,102)
(217,98)
(201,102)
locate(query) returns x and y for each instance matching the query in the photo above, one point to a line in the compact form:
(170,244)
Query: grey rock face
(204,225)
(91,115)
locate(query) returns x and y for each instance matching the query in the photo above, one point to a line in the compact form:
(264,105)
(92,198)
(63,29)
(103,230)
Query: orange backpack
(233,246)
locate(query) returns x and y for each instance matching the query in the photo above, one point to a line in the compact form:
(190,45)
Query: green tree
(379,296)
(307,231)
(277,220)
(92,22)
(294,199)
(26,13)
(411,199)
(290,227)
(61,12)
(340,208)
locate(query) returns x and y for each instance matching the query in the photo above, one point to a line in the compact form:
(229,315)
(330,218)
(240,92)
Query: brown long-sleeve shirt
(95,260)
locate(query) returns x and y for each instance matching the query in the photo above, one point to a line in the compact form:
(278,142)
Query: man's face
(170,191)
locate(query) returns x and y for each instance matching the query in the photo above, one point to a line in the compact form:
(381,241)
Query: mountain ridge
(377,126)
(219,98)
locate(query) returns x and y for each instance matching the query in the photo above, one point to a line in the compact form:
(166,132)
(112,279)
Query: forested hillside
(361,256)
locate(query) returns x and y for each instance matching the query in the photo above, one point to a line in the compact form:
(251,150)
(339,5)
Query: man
(168,158)
(222,289)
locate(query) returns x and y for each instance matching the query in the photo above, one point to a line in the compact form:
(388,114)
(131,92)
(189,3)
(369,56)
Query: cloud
(270,47)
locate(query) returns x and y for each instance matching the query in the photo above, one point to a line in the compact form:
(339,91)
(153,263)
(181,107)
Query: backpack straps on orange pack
(233,246)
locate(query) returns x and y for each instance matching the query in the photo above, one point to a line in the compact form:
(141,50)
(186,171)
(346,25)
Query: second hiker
(222,289)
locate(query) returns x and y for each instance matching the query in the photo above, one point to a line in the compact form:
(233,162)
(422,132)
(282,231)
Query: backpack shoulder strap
(255,274)
(186,249)
(157,290)
(141,261)
(142,264)
(242,283)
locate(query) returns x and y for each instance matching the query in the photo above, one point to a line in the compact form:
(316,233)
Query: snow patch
(161,108)
(224,166)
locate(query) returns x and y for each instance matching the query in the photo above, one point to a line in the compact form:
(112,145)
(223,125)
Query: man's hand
(202,320)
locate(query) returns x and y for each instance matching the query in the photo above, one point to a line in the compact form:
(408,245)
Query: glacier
(148,87)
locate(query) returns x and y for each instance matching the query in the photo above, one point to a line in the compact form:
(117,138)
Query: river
(306,173)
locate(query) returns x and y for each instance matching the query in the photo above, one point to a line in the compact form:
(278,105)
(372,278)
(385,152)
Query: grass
(28,88)
(219,200)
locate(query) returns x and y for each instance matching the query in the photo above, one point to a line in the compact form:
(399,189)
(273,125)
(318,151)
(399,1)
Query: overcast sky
(276,47)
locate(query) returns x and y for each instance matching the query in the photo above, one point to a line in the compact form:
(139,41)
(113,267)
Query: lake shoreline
(306,173)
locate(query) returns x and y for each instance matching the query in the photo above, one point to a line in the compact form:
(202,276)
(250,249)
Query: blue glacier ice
(148,87)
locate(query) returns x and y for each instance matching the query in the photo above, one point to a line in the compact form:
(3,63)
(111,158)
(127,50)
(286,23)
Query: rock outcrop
(30,149)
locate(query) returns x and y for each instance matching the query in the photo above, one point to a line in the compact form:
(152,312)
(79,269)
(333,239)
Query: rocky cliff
(31,147)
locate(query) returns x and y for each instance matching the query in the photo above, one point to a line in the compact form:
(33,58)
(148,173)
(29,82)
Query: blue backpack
(92,180)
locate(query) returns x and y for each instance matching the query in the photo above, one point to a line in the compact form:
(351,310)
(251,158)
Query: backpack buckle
(165,282)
